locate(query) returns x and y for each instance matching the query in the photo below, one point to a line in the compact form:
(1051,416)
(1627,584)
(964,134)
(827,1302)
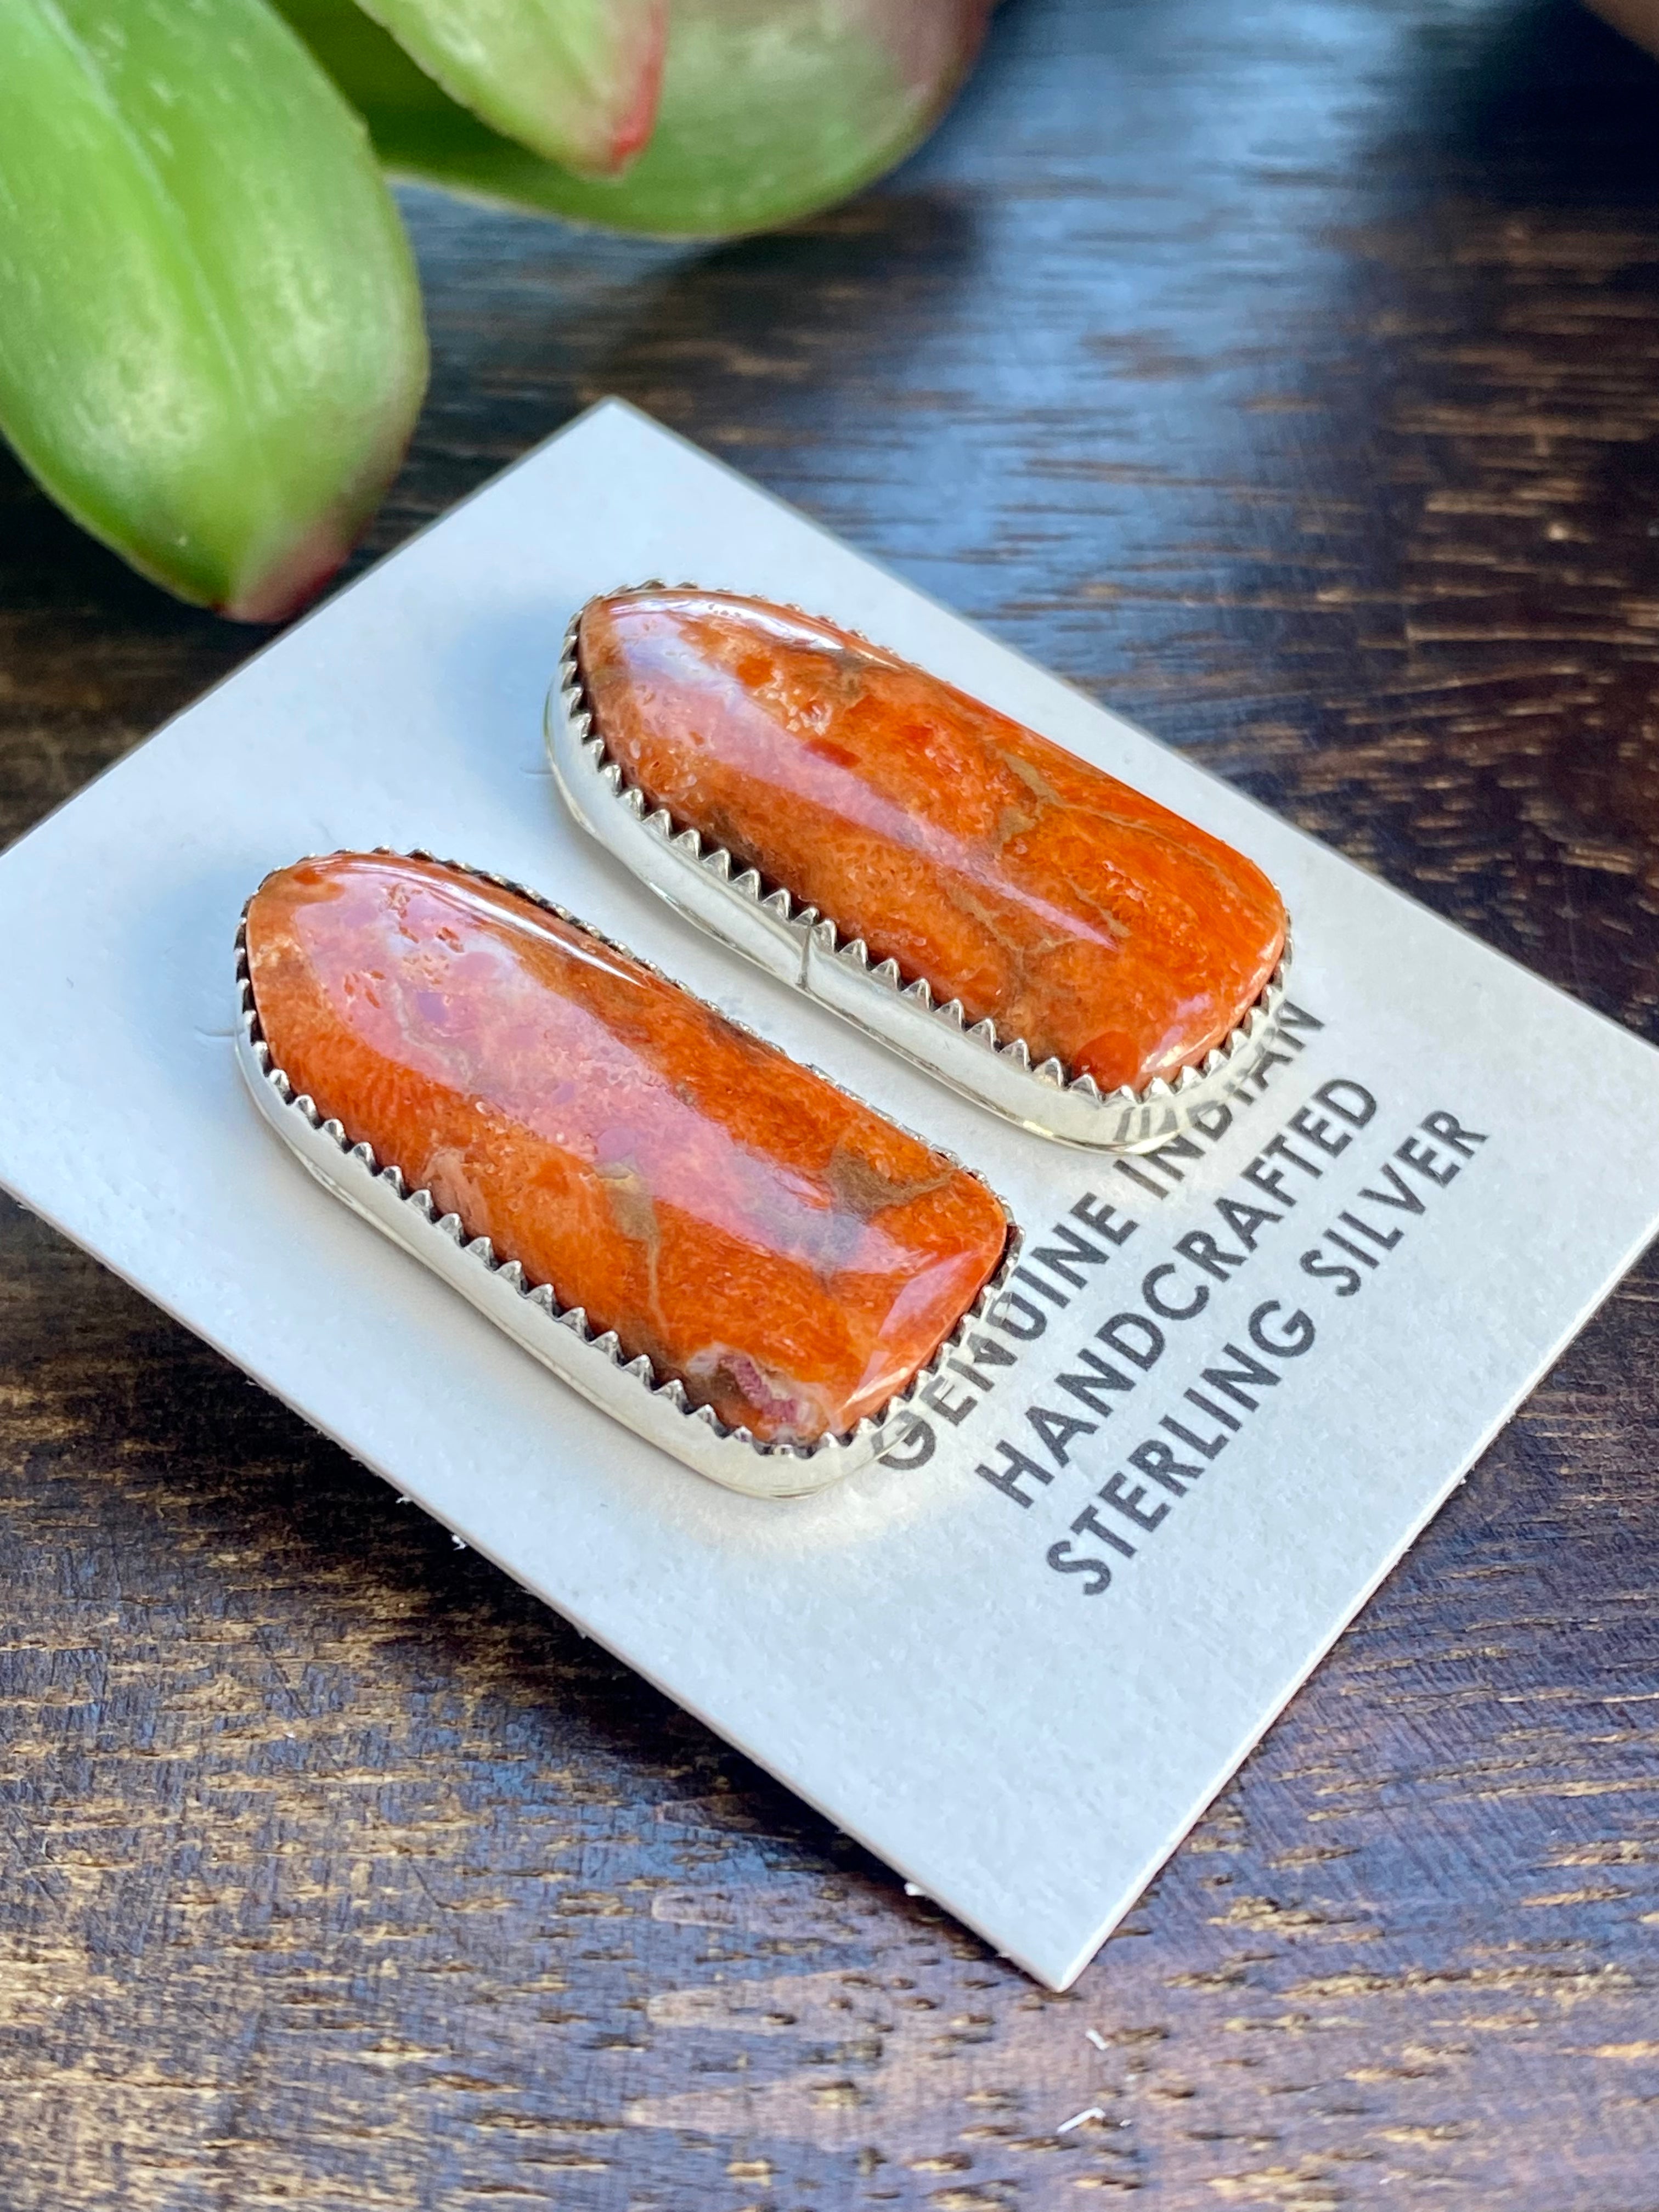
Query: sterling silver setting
(800,946)
(561,1338)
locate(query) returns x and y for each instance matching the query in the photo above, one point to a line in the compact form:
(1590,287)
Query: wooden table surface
(1288,374)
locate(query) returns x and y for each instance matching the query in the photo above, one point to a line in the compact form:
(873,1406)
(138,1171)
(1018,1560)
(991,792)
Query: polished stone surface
(787,1252)
(1286,379)
(1040,892)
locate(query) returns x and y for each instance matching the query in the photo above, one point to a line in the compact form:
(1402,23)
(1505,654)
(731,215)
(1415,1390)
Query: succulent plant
(575,81)
(767,110)
(211,349)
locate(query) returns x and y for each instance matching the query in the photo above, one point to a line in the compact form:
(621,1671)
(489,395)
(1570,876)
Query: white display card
(1018,1691)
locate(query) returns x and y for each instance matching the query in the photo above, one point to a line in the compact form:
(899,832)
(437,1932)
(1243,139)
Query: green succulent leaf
(211,350)
(770,109)
(575,81)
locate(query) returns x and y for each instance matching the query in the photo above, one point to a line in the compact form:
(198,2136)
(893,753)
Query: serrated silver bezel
(804,948)
(560,1336)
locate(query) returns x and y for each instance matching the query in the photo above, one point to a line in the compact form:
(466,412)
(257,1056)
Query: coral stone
(787,1252)
(1075,912)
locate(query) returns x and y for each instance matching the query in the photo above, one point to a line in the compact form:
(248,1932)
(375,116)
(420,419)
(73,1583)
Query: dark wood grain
(1288,374)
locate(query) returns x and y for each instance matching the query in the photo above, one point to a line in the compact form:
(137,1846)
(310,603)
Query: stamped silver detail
(560,1337)
(802,947)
